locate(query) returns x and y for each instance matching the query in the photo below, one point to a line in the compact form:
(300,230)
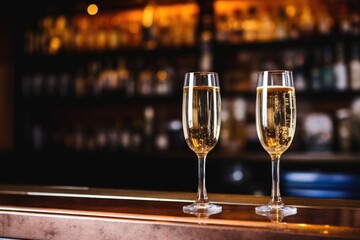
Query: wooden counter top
(55,212)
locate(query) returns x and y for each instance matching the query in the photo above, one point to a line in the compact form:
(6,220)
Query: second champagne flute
(275,125)
(201,108)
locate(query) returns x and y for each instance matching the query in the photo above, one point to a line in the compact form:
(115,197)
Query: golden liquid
(201,117)
(275,118)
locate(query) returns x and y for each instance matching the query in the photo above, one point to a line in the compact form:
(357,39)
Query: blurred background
(90,93)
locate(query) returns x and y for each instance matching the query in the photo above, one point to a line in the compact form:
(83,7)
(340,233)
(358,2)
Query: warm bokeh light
(92,9)
(148,16)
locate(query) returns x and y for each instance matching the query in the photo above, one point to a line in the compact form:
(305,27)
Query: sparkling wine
(201,117)
(275,117)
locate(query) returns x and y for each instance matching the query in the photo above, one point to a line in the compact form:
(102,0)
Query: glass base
(202,208)
(282,210)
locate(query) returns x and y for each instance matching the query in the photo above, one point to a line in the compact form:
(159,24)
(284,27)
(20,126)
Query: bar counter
(62,212)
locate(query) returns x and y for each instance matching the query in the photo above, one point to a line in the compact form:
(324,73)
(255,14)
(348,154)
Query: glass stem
(201,194)
(275,189)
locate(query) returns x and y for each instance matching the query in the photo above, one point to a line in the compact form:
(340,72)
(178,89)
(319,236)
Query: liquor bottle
(299,72)
(189,26)
(292,24)
(327,71)
(145,82)
(162,141)
(236,34)
(206,58)
(38,84)
(148,137)
(240,125)
(79,137)
(112,138)
(52,84)
(307,22)
(100,138)
(266,25)
(343,130)
(123,77)
(38,137)
(80,83)
(44,33)
(92,79)
(344,20)
(281,31)
(315,71)
(251,25)
(148,26)
(225,125)
(340,69)
(325,21)
(163,78)
(223,28)
(354,67)
(355,19)
(65,84)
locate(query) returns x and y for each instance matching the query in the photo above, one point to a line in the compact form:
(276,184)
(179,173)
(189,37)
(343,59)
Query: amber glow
(227,6)
(290,10)
(161,75)
(148,16)
(92,9)
(55,44)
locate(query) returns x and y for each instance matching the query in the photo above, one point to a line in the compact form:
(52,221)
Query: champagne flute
(201,108)
(275,125)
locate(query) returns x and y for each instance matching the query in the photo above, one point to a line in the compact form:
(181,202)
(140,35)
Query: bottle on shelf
(315,70)
(108,80)
(124,78)
(145,81)
(236,28)
(300,79)
(327,70)
(343,21)
(80,83)
(324,20)
(307,21)
(149,122)
(343,130)
(93,87)
(163,78)
(148,25)
(162,141)
(281,30)
(266,25)
(354,67)
(251,24)
(340,68)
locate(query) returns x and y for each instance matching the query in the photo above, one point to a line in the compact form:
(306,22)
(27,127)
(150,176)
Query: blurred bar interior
(90,93)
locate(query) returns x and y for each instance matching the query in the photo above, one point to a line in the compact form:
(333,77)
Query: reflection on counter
(317,184)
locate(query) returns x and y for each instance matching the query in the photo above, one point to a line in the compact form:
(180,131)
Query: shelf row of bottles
(176,25)
(330,67)
(154,25)
(260,21)
(153,131)
(98,77)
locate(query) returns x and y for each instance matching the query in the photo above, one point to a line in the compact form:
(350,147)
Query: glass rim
(201,72)
(275,71)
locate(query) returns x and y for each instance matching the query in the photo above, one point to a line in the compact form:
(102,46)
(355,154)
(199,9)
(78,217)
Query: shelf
(308,43)
(131,52)
(117,97)
(299,158)
(104,99)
